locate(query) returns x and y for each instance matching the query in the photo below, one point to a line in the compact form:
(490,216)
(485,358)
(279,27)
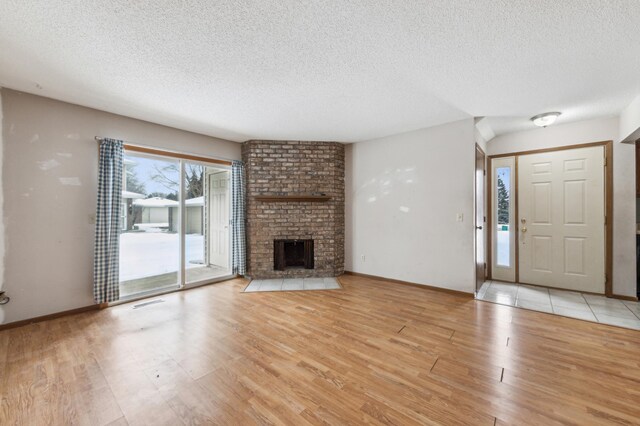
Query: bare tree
(169,177)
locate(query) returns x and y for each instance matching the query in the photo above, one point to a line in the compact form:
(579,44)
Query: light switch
(459,217)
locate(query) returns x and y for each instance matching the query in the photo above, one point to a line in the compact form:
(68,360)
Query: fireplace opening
(289,254)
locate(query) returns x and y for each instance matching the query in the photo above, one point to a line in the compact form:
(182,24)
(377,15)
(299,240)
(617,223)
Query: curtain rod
(160,151)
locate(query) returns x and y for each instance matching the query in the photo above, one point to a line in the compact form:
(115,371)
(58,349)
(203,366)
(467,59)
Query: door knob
(524,229)
(478,227)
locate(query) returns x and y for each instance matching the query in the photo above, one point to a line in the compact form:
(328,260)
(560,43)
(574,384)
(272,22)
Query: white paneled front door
(561,219)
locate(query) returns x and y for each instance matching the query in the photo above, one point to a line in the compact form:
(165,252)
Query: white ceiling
(325,70)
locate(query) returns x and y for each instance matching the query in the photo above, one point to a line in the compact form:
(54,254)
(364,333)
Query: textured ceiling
(325,70)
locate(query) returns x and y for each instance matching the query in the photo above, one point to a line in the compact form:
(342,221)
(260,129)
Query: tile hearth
(293,284)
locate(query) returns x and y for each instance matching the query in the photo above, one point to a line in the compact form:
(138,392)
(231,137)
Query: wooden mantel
(292,197)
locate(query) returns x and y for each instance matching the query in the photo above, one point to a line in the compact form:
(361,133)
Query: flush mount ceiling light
(546,119)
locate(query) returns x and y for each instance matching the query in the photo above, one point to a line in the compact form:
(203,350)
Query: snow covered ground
(145,254)
(503,248)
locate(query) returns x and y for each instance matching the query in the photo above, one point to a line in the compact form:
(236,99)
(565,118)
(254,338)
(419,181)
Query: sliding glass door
(175,224)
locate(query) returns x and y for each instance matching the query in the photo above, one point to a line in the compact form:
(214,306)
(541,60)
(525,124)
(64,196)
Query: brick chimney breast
(282,169)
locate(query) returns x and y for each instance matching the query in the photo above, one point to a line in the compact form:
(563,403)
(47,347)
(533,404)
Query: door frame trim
(475,220)
(608,200)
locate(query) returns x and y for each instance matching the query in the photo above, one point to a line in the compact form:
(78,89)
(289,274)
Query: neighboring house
(195,215)
(162,213)
(140,213)
(155,212)
(127,216)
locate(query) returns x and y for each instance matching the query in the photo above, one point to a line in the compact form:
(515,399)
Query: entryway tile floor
(571,304)
(293,284)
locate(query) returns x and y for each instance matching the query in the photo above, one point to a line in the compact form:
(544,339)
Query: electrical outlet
(459,217)
(362,257)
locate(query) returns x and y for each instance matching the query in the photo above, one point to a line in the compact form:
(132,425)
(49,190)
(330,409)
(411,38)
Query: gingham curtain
(105,265)
(239,246)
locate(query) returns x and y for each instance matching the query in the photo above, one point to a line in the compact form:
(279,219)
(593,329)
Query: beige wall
(403,193)
(630,121)
(624,198)
(50,180)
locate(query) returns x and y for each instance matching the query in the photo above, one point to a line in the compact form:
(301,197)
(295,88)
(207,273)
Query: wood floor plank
(372,353)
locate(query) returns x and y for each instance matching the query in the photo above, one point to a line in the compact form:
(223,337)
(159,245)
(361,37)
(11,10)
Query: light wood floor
(375,352)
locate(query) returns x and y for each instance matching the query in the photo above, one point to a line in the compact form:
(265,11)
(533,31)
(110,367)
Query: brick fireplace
(295,192)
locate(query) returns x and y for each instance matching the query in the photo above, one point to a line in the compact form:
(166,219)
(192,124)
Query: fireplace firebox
(288,254)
